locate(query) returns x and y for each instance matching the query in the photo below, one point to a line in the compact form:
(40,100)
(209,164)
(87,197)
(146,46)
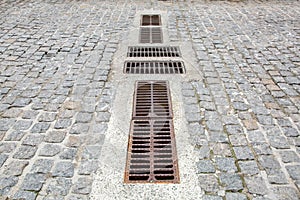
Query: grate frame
(152,99)
(151,153)
(153,51)
(154,67)
(151,35)
(151,20)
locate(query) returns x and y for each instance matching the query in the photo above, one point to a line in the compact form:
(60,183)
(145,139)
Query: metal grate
(152,100)
(168,51)
(150,35)
(154,67)
(151,154)
(151,20)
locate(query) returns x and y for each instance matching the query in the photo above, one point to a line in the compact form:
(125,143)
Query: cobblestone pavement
(55,94)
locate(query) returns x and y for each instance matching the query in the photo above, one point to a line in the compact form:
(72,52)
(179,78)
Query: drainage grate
(151,20)
(150,35)
(154,67)
(153,52)
(152,100)
(152,154)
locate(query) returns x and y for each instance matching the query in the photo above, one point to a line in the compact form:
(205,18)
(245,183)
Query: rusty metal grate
(150,20)
(152,156)
(163,51)
(150,35)
(152,100)
(154,67)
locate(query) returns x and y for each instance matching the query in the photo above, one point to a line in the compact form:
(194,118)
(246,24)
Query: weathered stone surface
(55,136)
(231,181)
(6,183)
(33,182)
(205,166)
(209,183)
(83,186)
(25,152)
(50,150)
(226,164)
(63,169)
(21,194)
(59,186)
(256,185)
(42,166)
(15,168)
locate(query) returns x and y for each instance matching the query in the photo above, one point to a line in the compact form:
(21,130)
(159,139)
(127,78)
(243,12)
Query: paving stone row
(55,97)
(248,132)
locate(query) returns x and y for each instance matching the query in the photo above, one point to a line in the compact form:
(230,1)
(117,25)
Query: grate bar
(154,67)
(144,51)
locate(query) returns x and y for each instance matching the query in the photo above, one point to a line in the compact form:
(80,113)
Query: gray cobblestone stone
(42,166)
(62,123)
(68,153)
(33,140)
(25,152)
(21,194)
(15,136)
(63,169)
(33,182)
(256,185)
(243,153)
(3,158)
(50,150)
(226,164)
(55,136)
(15,168)
(83,186)
(235,196)
(232,182)
(294,171)
(41,127)
(211,197)
(205,166)
(59,186)
(6,183)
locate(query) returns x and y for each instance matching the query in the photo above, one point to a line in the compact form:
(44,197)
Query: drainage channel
(148,121)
